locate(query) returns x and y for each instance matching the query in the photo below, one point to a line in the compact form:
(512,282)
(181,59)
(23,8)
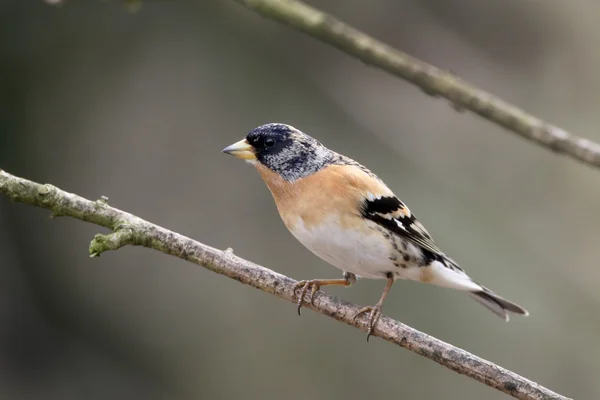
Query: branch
(430,79)
(131,230)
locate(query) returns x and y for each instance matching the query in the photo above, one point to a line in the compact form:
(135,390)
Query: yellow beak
(241,149)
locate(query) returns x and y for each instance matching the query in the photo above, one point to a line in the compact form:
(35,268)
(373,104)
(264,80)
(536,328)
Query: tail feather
(497,304)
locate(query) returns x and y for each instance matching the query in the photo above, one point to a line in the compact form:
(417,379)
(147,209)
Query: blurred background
(137,107)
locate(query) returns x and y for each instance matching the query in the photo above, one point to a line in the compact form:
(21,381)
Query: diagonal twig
(430,79)
(131,230)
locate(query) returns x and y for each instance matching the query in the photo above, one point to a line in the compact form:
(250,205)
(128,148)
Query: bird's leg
(375,311)
(314,285)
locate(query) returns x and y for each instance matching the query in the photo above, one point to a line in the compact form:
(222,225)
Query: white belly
(368,254)
(363,252)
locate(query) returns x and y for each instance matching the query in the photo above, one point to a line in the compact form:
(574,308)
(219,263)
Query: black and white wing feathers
(391,213)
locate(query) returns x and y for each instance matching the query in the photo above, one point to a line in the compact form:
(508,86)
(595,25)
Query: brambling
(347,216)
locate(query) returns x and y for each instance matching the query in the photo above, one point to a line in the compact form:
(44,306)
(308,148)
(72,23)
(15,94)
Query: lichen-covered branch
(127,229)
(430,79)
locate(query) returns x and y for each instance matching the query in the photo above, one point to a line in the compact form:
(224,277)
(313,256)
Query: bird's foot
(313,285)
(374,314)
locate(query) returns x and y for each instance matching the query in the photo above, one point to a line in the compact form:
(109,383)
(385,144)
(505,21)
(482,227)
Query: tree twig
(430,79)
(127,229)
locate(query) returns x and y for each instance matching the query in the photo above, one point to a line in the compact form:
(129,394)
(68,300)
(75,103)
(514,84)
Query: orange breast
(334,189)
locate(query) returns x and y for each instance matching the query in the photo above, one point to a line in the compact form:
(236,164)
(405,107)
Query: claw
(313,284)
(374,314)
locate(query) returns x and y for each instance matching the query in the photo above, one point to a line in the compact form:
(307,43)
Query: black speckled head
(288,151)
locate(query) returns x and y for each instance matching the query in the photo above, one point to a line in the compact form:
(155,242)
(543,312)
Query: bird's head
(282,149)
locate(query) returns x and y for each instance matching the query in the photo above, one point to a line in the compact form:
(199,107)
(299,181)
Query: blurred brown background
(137,107)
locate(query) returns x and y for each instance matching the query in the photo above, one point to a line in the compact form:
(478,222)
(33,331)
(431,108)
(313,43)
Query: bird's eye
(269,142)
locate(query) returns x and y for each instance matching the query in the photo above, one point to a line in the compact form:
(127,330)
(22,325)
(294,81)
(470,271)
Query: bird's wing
(380,205)
(391,213)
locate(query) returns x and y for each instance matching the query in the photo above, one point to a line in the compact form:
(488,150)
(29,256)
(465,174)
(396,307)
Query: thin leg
(375,311)
(315,284)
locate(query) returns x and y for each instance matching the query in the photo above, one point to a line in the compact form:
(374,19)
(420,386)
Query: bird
(343,213)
